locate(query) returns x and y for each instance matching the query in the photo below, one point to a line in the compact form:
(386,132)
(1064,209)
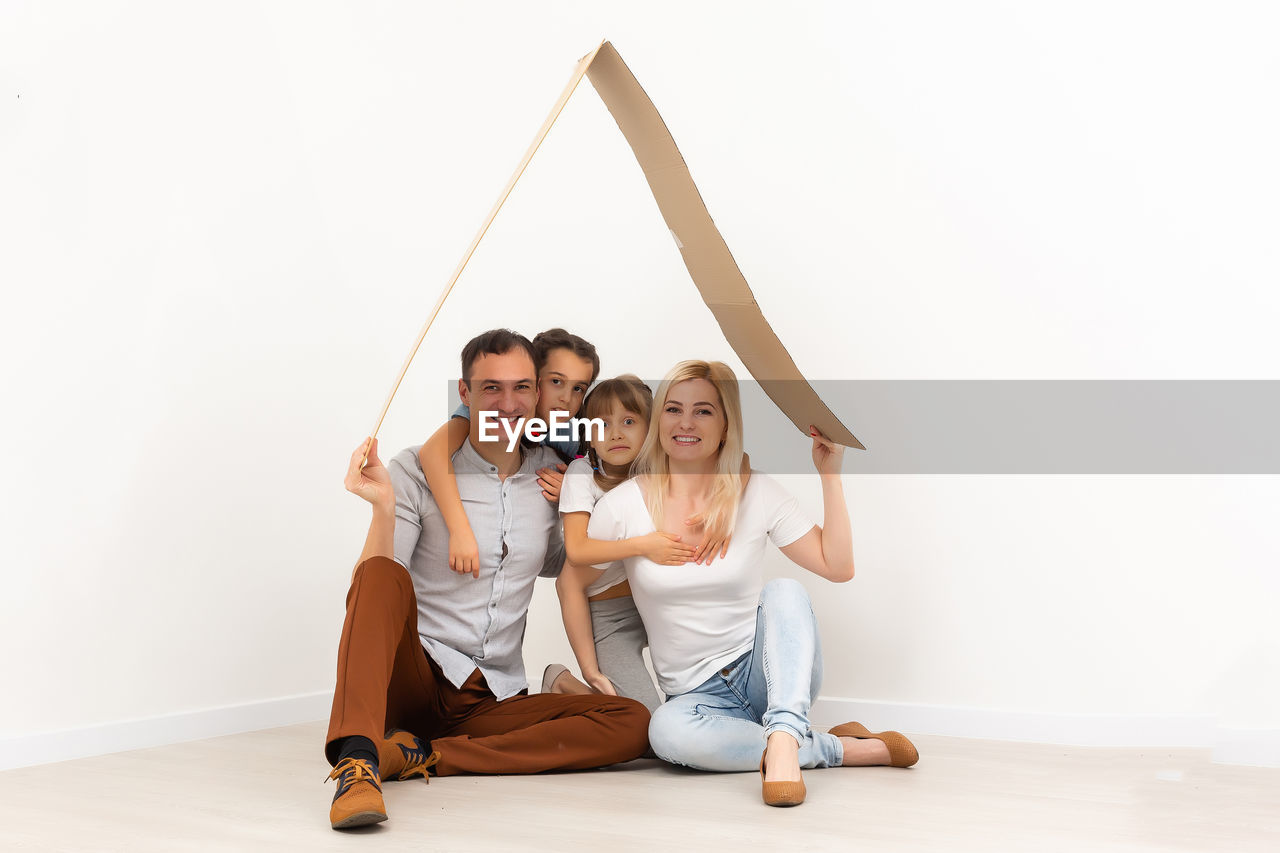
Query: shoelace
(417,761)
(352,770)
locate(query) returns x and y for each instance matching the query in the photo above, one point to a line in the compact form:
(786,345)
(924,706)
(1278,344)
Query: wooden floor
(263,791)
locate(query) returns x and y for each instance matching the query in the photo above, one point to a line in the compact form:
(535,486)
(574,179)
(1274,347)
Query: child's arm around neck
(436,459)
(663,548)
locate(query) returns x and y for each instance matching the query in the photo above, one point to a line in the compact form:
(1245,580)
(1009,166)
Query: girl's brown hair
(629,392)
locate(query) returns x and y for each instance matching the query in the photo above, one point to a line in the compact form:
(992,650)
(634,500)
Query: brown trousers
(386,680)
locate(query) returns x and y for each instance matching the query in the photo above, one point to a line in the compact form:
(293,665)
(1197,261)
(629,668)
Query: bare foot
(864,752)
(566,683)
(782,758)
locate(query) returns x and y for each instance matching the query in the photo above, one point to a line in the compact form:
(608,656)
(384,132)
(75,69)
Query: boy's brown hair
(558,338)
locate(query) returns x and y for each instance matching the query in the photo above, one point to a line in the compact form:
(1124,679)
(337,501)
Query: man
(430,674)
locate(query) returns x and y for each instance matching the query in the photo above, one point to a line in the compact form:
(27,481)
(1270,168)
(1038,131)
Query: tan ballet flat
(902,752)
(550,674)
(780,793)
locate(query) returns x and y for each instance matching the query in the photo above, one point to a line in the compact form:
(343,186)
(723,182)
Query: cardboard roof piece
(705,254)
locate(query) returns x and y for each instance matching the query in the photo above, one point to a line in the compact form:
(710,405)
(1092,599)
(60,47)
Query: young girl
(566,366)
(600,618)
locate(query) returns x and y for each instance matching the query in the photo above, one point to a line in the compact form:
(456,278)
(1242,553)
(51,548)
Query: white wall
(222,226)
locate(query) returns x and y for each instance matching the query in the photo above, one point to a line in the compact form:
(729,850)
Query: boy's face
(563,382)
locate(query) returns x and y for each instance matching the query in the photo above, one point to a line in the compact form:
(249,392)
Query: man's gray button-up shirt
(468,623)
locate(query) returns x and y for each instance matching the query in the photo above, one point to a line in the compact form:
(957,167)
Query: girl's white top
(700,618)
(579,492)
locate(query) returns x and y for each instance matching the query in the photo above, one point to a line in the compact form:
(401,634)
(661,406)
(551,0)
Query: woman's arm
(827,550)
(662,548)
(436,459)
(370,480)
(571,587)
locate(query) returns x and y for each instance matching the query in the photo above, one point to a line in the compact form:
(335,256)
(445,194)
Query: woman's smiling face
(692,424)
(623,434)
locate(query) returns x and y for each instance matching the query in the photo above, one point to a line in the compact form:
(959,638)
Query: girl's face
(692,424)
(623,433)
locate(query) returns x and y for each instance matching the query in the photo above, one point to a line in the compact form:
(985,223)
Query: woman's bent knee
(678,735)
(670,734)
(784,590)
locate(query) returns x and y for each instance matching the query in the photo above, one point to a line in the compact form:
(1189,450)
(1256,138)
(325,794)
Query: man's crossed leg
(387,682)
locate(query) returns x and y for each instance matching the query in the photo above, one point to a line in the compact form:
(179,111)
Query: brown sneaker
(358,800)
(402,755)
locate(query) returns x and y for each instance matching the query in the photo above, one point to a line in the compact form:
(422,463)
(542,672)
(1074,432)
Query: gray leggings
(620,638)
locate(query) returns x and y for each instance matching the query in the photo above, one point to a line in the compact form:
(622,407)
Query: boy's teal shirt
(566,450)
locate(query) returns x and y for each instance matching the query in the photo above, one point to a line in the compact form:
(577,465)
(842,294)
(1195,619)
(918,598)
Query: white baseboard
(48,747)
(1260,747)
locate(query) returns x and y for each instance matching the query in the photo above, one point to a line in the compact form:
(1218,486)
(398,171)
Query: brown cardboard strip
(705,253)
(574,80)
(710,264)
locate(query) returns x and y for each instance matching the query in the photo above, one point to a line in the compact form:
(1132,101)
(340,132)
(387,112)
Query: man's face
(504,384)
(563,383)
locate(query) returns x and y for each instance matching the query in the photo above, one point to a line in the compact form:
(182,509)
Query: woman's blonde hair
(627,391)
(654,466)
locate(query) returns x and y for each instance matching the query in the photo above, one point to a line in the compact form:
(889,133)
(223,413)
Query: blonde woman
(738,659)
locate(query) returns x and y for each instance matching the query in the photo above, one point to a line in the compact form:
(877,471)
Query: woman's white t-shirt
(700,618)
(579,492)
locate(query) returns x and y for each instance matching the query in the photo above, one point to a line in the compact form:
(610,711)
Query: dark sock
(358,746)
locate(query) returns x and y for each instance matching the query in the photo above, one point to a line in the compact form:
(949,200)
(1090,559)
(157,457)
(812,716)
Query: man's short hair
(551,339)
(495,342)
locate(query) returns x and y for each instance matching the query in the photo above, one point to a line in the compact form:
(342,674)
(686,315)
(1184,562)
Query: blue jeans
(722,724)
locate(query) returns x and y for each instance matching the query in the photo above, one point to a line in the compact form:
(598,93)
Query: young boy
(566,366)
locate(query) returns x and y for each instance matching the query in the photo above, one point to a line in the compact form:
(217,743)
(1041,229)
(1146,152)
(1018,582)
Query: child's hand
(550,479)
(464,553)
(600,683)
(665,549)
